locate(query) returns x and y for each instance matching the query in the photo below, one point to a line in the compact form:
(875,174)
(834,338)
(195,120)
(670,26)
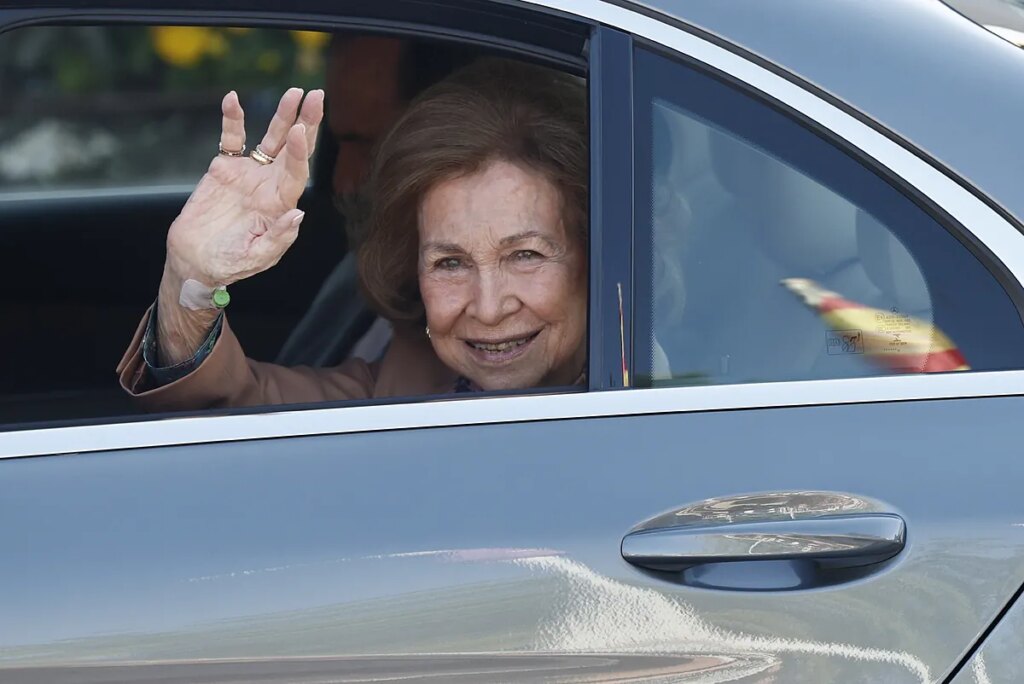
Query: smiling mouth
(504,346)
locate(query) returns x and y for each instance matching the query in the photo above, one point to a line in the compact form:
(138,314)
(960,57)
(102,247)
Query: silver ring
(261,157)
(230,153)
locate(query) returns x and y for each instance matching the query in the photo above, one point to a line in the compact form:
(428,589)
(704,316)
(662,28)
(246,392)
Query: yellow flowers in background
(238,50)
(183,46)
(311,39)
(310,58)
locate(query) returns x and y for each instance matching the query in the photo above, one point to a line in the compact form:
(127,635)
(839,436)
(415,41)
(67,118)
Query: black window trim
(611,209)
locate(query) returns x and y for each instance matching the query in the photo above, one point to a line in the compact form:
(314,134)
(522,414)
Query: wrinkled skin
(503,280)
(240,219)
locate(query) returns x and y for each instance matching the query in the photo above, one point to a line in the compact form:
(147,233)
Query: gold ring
(230,153)
(261,157)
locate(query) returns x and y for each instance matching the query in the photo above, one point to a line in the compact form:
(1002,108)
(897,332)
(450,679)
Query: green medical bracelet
(220,297)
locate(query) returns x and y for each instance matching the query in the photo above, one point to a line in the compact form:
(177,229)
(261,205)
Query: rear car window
(771,254)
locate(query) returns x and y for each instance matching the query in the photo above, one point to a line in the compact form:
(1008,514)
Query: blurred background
(95,107)
(90,107)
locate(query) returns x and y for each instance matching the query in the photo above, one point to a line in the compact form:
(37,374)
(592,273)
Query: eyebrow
(451,247)
(447,247)
(528,235)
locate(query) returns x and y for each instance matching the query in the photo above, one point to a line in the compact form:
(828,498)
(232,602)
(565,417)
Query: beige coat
(227,378)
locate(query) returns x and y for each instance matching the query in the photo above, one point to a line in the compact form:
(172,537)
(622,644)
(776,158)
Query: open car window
(104,132)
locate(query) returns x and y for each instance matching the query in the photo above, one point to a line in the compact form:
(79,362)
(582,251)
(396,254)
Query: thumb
(286,227)
(272,245)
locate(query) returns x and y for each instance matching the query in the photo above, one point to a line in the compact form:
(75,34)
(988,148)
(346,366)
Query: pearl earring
(428,332)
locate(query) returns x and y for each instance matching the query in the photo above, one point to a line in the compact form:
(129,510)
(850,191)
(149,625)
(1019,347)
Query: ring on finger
(230,153)
(261,157)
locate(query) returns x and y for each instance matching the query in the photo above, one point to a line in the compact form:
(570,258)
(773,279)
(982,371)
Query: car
(796,456)
(1005,18)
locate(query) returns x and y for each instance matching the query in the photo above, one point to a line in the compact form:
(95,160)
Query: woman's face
(503,282)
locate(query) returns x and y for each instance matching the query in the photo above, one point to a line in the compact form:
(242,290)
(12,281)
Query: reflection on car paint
(979,670)
(596,615)
(764,507)
(599,614)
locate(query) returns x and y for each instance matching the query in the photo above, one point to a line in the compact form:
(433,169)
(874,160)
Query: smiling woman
(503,280)
(480,225)
(476,249)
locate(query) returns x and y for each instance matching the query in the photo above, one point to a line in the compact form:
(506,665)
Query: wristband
(196,296)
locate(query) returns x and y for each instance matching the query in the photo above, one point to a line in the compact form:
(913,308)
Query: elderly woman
(476,249)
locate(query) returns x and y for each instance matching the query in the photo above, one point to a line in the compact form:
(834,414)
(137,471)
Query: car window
(106,131)
(95,107)
(768,253)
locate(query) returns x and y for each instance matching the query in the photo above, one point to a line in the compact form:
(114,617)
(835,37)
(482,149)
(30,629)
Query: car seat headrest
(890,265)
(808,229)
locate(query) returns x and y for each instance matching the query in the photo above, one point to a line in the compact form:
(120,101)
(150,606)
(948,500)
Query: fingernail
(298,219)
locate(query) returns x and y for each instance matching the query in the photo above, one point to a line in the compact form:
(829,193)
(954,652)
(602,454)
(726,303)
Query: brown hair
(493,109)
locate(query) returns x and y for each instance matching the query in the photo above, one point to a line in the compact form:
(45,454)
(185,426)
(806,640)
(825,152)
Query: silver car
(797,455)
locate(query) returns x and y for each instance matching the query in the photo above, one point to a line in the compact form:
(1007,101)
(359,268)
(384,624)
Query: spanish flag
(896,341)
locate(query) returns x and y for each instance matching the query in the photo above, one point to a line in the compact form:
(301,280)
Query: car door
(822,527)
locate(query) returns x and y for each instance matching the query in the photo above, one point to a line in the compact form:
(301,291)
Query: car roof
(920,68)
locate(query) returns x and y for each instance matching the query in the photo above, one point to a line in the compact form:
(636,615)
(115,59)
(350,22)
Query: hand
(240,219)
(242,216)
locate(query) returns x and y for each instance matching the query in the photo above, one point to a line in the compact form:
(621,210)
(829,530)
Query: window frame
(611,210)
(374,18)
(992,227)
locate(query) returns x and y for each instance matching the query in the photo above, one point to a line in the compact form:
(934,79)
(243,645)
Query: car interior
(749,210)
(81,267)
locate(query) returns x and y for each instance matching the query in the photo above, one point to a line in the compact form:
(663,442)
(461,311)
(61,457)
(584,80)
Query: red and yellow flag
(896,341)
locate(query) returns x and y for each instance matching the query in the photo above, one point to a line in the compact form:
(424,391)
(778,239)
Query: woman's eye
(448,264)
(526,255)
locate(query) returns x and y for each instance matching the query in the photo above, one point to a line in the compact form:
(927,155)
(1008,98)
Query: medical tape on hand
(197,296)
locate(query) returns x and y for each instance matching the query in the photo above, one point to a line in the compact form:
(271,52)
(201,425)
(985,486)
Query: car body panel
(999,659)
(504,539)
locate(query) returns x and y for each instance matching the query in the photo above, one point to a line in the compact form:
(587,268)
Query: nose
(494,298)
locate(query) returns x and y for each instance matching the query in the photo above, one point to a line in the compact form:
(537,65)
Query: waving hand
(242,216)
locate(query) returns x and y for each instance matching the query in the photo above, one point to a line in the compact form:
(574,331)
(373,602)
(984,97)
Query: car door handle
(835,541)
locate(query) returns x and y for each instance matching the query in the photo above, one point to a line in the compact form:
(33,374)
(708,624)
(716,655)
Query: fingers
(311,115)
(284,119)
(294,162)
(232,128)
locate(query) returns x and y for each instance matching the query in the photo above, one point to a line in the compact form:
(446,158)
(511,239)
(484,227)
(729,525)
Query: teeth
(501,346)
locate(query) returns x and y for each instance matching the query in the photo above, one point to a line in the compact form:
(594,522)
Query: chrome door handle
(835,541)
